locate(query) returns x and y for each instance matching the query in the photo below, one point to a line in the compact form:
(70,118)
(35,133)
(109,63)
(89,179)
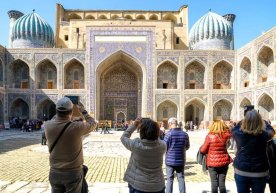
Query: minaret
(14,15)
(231,19)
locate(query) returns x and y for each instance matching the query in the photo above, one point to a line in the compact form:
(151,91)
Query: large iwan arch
(119,87)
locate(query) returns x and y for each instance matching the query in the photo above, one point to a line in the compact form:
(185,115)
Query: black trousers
(218,176)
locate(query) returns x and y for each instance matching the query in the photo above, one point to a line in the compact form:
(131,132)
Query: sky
(253,17)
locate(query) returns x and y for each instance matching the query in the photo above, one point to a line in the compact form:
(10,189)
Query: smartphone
(74,99)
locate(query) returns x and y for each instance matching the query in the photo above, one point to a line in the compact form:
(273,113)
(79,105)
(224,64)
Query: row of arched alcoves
(165,17)
(18,75)
(195,109)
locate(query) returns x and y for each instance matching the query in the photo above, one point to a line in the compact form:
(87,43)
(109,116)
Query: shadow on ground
(16,143)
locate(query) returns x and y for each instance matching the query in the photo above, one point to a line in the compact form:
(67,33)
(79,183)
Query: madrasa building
(128,63)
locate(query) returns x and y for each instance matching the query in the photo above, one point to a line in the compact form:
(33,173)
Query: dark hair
(149,130)
(63,114)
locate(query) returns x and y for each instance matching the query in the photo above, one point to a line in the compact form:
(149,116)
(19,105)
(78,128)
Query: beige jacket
(144,170)
(68,153)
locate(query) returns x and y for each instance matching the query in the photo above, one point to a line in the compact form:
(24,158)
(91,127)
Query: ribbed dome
(32,31)
(208,28)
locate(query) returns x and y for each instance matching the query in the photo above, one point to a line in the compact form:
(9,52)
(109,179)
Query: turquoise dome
(211,31)
(32,31)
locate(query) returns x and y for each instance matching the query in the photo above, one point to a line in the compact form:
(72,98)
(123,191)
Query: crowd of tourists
(24,124)
(254,162)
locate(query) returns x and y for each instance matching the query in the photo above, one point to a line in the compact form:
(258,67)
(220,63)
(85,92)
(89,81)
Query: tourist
(105,128)
(250,164)
(218,159)
(65,146)
(162,130)
(177,142)
(271,152)
(43,136)
(144,171)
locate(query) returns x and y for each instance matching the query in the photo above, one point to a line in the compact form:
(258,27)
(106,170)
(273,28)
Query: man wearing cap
(66,157)
(177,143)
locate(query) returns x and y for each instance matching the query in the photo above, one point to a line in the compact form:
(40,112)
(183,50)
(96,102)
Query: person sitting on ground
(144,171)
(218,159)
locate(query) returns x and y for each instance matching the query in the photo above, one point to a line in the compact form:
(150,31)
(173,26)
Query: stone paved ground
(24,163)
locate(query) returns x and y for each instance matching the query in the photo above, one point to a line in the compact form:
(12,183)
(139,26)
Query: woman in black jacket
(250,164)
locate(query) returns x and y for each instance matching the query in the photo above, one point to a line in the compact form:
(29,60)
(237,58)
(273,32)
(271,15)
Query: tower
(14,15)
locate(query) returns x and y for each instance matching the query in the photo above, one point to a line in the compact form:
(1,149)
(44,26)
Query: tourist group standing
(253,164)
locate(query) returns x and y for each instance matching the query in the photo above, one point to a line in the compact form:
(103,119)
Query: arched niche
(245,73)
(194,76)
(119,87)
(89,17)
(170,17)
(46,110)
(222,110)
(167,75)
(19,108)
(46,75)
(128,17)
(102,17)
(74,75)
(265,65)
(244,102)
(1,112)
(140,17)
(114,17)
(20,77)
(222,75)
(165,110)
(74,16)
(266,107)
(194,111)
(153,17)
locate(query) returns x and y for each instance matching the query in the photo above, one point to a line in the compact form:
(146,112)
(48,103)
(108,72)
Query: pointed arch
(265,65)
(195,111)
(194,75)
(73,16)
(245,101)
(89,17)
(266,106)
(128,17)
(153,17)
(167,73)
(222,109)
(170,17)
(140,17)
(222,75)
(102,17)
(20,74)
(119,86)
(19,108)
(46,109)
(43,70)
(114,17)
(69,69)
(245,72)
(166,109)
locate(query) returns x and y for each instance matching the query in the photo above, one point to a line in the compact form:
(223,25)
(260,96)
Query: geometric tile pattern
(266,107)
(167,73)
(194,72)
(166,110)
(222,109)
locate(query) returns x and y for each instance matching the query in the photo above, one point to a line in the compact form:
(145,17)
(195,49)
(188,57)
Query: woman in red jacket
(218,159)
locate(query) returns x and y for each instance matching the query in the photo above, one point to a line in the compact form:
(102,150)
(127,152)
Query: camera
(248,108)
(74,99)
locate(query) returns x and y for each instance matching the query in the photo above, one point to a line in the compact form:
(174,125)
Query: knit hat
(64,104)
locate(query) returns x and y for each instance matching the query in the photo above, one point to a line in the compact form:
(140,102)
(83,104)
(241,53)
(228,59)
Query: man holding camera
(65,147)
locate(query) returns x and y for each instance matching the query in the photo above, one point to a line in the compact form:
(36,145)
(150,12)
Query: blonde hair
(252,123)
(218,127)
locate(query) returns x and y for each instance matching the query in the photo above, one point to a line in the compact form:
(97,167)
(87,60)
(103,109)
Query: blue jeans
(132,190)
(218,176)
(170,177)
(244,184)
